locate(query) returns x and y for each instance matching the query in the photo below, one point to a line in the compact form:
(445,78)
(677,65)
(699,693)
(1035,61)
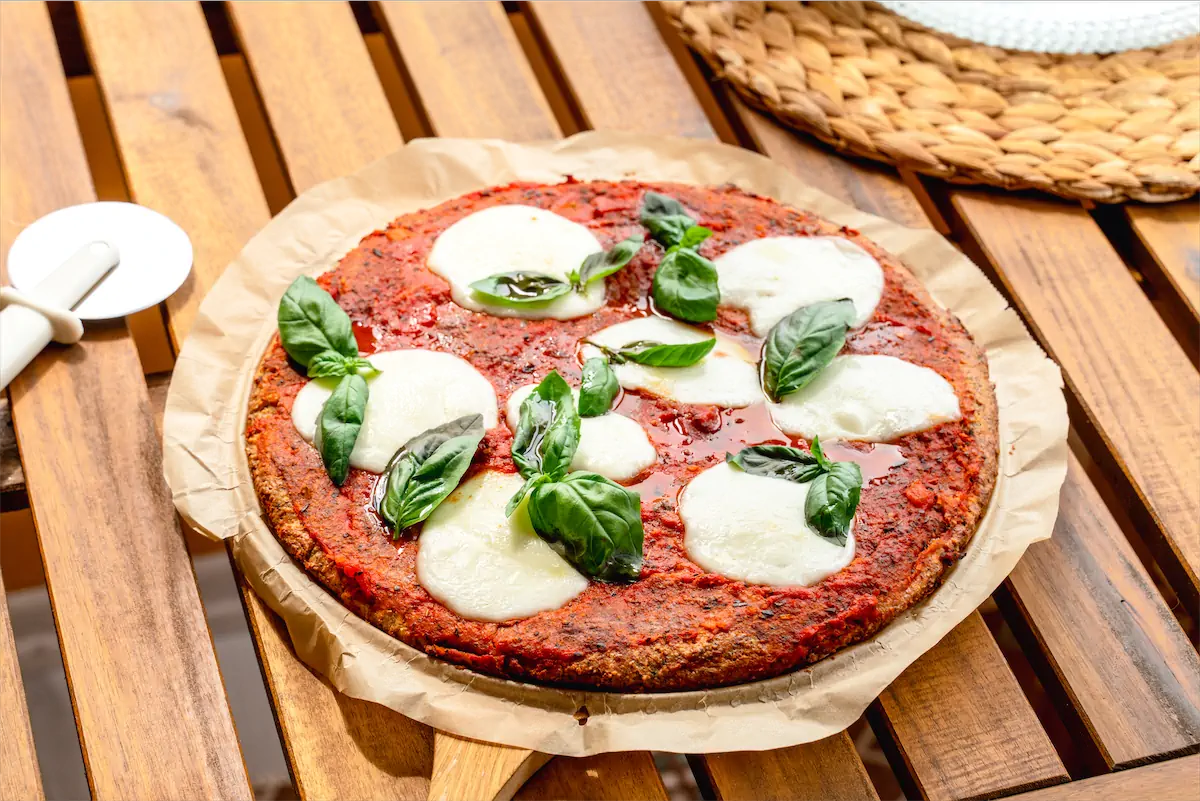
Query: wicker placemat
(1106,128)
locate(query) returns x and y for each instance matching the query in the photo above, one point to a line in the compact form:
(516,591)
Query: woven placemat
(1109,128)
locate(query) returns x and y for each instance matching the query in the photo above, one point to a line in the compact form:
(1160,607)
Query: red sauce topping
(914,493)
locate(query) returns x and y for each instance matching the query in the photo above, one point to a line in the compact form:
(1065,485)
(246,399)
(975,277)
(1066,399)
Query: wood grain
(1110,641)
(318,86)
(617,72)
(177,132)
(469,770)
(1177,780)
(961,724)
(1171,234)
(20,779)
(1135,388)
(827,769)
(152,715)
(468,71)
(339,748)
(607,777)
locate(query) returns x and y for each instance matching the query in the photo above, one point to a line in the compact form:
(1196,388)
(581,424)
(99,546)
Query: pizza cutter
(95,261)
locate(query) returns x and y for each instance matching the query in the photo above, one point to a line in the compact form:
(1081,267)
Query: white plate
(1101,26)
(156,255)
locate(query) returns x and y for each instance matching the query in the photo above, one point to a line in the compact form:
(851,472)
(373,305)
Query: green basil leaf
(776,461)
(819,455)
(605,263)
(685,286)
(548,432)
(803,344)
(598,387)
(311,322)
(666,218)
(832,500)
(520,288)
(694,236)
(338,425)
(331,364)
(656,354)
(594,523)
(515,501)
(426,470)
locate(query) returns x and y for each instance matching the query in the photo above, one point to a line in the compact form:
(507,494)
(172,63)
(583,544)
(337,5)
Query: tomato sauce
(921,492)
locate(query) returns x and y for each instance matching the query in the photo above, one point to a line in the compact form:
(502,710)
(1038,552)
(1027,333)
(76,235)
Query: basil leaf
(520,288)
(666,218)
(818,454)
(548,432)
(594,523)
(311,322)
(598,387)
(694,236)
(776,461)
(656,354)
(803,344)
(603,264)
(832,500)
(515,501)
(338,425)
(331,364)
(685,286)
(427,469)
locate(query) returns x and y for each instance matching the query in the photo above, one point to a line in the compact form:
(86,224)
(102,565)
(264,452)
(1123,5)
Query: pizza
(622,436)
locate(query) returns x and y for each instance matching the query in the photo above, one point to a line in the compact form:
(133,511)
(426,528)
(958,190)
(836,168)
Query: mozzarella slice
(771,278)
(752,528)
(612,445)
(415,391)
(504,239)
(486,566)
(867,398)
(727,376)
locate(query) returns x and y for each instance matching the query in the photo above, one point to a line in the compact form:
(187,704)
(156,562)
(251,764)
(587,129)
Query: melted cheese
(417,390)
(727,376)
(504,239)
(771,278)
(485,566)
(867,398)
(752,528)
(612,445)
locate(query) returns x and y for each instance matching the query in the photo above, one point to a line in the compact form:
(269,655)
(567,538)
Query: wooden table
(217,116)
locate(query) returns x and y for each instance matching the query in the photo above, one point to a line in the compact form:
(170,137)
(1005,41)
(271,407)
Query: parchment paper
(206,466)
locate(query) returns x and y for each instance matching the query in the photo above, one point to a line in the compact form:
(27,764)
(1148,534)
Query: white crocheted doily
(1100,26)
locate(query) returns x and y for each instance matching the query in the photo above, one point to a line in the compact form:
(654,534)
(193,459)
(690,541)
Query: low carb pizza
(622,436)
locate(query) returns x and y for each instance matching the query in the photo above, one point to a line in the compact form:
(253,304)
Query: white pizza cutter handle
(29,320)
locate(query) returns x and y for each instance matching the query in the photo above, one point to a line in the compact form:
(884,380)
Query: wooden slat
(177,131)
(151,710)
(1135,387)
(1171,235)
(827,769)
(961,724)
(607,777)
(1177,780)
(20,779)
(1127,668)
(468,70)
(321,94)
(614,87)
(975,674)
